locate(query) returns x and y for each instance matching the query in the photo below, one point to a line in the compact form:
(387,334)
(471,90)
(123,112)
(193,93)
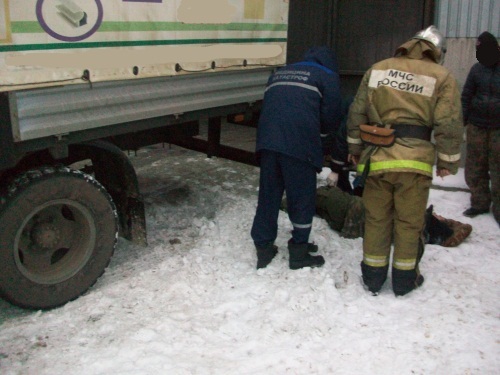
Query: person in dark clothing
(481,112)
(337,160)
(301,110)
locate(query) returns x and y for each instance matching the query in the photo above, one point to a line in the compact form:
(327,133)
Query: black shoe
(312,247)
(265,255)
(403,282)
(473,212)
(300,257)
(308,261)
(374,277)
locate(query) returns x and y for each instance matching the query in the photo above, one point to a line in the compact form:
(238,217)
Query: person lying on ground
(345,214)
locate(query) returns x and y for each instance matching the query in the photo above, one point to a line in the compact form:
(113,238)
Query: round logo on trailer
(69,20)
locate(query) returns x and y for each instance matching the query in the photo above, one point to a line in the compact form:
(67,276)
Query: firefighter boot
(300,257)
(374,277)
(265,254)
(404,281)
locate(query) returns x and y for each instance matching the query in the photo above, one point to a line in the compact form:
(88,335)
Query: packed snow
(192,302)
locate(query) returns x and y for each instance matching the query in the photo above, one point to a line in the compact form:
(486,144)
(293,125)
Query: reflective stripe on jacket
(302,105)
(404,90)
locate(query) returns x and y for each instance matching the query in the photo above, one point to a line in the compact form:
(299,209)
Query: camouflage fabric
(442,231)
(331,205)
(460,231)
(343,212)
(435,231)
(482,165)
(354,223)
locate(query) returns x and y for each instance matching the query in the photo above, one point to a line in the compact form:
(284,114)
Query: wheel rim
(55,241)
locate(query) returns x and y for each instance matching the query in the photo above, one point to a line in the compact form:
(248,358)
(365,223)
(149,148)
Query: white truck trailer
(83,80)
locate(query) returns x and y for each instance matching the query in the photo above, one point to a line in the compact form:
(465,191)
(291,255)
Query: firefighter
(301,110)
(413,94)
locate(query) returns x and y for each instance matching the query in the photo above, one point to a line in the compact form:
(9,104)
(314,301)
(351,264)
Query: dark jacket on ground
(302,104)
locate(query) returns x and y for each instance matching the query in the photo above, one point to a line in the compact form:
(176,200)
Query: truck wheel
(58,233)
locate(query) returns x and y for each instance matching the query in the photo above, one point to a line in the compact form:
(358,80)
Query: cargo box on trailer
(83,80)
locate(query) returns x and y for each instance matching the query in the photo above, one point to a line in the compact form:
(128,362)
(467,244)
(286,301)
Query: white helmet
(434,36)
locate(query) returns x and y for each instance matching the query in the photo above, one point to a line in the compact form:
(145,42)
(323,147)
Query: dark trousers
(343,183)
(482,167)
(280,173)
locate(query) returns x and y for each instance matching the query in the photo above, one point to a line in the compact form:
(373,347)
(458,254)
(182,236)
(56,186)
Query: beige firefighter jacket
(410,88)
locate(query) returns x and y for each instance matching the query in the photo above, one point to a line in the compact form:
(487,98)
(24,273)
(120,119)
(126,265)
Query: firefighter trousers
(395,205)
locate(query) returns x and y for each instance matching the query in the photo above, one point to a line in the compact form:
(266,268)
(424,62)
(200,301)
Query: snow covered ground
(192,302)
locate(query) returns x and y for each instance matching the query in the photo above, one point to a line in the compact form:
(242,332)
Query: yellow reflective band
(355,141)
(449,158)
(404,264)
(375,260)
(393,164)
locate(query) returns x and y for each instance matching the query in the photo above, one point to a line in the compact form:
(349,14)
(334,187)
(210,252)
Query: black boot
(300,257)
(404,282)
(312,247)
(374,277)
(266,254)
(473,212)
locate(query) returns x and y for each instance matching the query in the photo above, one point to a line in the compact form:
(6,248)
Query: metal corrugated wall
(468,18)
(461,21)
(358,45)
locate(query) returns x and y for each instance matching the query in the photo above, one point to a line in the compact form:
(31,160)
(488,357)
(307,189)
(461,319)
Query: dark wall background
(361,32)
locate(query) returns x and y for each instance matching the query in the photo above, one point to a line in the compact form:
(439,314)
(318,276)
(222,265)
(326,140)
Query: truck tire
(58,233)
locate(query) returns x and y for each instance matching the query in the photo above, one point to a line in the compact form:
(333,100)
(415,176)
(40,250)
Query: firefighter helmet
(435,37)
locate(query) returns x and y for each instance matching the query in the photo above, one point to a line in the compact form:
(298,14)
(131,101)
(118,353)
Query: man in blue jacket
(301,110)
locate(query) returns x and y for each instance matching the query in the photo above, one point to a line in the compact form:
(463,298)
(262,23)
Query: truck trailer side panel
(81,81)
(54,42)
(61,110)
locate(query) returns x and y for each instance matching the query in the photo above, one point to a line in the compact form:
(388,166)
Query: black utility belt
(412,131)
(372,135)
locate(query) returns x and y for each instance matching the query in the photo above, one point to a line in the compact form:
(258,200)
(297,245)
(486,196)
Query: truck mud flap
(113,169)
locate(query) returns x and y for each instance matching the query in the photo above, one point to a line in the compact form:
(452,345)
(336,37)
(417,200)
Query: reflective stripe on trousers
(395,205)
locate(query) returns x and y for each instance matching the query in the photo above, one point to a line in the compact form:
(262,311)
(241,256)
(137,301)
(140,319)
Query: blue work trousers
(281,173)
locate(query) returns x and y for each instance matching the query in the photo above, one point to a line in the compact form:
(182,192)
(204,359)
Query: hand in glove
(332,179)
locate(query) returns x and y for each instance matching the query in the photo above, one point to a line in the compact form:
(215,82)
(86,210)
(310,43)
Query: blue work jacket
(302,106)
